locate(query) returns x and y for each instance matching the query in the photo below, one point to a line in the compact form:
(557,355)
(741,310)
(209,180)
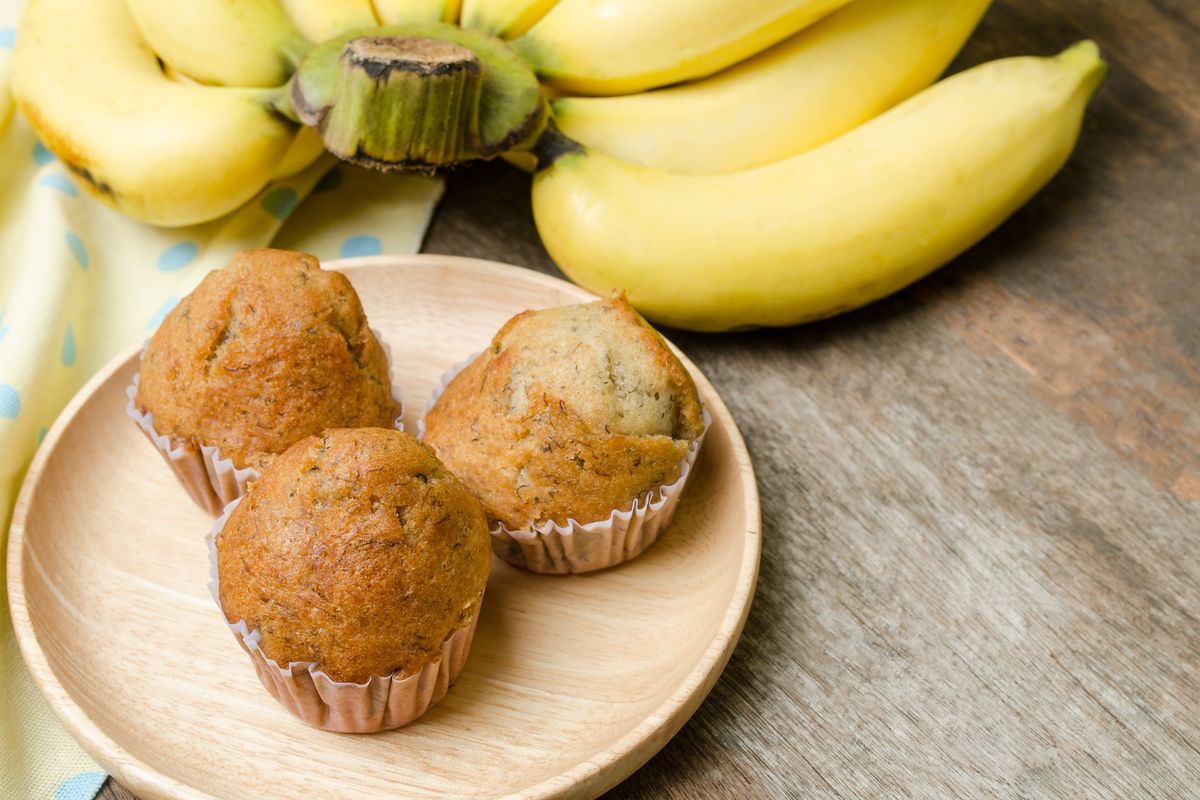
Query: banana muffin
(572,413)
(262,353)
(358,553)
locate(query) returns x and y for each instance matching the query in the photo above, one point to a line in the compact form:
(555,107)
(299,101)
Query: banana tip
(1085,56)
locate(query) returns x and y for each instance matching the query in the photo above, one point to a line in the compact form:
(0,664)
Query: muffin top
(572,412)
(262,353)
(357,550)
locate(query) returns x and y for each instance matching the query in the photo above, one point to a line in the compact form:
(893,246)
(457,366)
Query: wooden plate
(572,682)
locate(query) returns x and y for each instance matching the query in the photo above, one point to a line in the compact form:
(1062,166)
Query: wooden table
(981,497)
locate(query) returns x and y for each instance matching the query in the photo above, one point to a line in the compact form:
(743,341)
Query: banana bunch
(727,164)
(825,231)
(172,112)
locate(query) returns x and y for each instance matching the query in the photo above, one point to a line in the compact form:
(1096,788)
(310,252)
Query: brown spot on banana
(94,184)
(67,151)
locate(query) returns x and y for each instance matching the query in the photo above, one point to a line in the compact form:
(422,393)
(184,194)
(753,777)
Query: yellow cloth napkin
(78,283)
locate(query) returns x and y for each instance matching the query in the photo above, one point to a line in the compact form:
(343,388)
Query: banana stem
(293,49)
(552,145)
(416,96)
(402,102)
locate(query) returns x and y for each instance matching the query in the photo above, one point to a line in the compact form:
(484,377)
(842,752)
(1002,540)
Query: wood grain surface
(981,497)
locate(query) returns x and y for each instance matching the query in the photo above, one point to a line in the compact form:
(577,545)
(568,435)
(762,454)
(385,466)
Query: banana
(624,46)
(399,12)
(306,148)
(504,18)
(815,86)
(828,230)
(319,20)
(6,101)
(239,43)
(160,150)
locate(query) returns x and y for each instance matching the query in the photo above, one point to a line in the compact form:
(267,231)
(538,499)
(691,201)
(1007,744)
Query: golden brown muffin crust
(572,412)
(357,550)
(264,352)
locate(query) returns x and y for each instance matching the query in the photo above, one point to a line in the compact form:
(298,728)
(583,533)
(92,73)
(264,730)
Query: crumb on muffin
(356,550)
(262,353)
(572,412)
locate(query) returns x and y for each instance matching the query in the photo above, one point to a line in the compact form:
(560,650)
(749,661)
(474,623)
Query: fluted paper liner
(209,479)
(382,703)
(575,547)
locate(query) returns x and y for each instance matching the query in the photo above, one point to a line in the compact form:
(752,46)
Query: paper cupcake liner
(382,703)
(573,547)
(209,479)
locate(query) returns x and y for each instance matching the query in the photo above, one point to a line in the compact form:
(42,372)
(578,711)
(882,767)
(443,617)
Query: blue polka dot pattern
(279,203)
(59,183)
(67,352)
(162,312)
(81,786)
(79,251)
(361,246)
(329,181)
(177,256)
(10,402)
(8,38)
(41,155)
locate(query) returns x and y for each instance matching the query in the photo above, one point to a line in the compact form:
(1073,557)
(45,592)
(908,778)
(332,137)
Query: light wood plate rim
(589,778)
